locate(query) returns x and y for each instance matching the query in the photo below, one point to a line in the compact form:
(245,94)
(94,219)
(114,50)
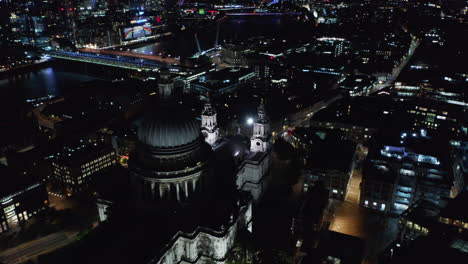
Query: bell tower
(260,141)
(209,124)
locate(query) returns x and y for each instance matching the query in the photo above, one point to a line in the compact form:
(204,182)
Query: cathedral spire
(209,123)
(262,118)
(260,141)
(208,108)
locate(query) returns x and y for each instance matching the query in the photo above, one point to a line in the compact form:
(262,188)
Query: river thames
(55,79)
(59,78)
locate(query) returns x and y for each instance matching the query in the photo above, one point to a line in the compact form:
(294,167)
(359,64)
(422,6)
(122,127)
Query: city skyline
(233,132)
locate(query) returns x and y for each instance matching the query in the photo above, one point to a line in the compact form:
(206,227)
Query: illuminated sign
(139,21)
(137,32)
(123,160)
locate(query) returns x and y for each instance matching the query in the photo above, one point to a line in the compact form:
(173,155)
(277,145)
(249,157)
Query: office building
(73,168)
(357,85)
(403,168)
(223,81)
(328,158)
(21,199)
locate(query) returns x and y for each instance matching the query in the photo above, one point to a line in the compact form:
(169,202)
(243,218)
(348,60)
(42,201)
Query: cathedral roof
(169,126)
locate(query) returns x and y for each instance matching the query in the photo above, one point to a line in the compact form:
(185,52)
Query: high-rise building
(147,5)
(332,46)
(29,30)
(328,159)
(401,170)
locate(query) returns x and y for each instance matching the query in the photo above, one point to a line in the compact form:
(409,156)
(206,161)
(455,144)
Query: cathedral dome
(169,127)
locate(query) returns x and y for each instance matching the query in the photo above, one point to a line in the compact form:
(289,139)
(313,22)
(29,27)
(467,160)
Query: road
(349,218)
(60,201)
(158,58)
(354,190)
(29,250)
(396,71)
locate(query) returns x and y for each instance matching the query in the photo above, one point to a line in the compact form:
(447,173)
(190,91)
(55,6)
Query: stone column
(145,190)
(168,190)
(177,190)
(194,183)
(160,190)
(186,189)
(152,190)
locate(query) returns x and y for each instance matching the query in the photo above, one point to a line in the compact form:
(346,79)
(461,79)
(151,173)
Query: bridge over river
(120,59)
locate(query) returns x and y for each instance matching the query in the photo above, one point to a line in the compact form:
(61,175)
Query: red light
(62,9)
(158,19)
(272,58)
(71,9)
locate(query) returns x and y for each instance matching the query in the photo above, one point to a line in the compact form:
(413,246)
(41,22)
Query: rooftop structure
(222,81)
(404,167)
(358,85)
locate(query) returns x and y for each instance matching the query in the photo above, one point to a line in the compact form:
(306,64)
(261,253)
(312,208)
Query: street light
(250,121)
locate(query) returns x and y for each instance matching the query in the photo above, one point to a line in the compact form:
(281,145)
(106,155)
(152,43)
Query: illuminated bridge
(125,62)
(262,14)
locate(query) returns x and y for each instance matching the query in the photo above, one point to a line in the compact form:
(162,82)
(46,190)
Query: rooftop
(217,80)
(326,148)
(79,154)
(332,155)
(412,147)
(382,111)
(132,235)
(457,208)
(12,182)
(354,81)
(422,212)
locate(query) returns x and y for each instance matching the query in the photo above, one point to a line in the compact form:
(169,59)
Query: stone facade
(205,245)
(209,124)
(253,172)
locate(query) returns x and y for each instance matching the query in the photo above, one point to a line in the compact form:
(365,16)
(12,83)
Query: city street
(396,71)
(349,218)
(36,247)
(60,201)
